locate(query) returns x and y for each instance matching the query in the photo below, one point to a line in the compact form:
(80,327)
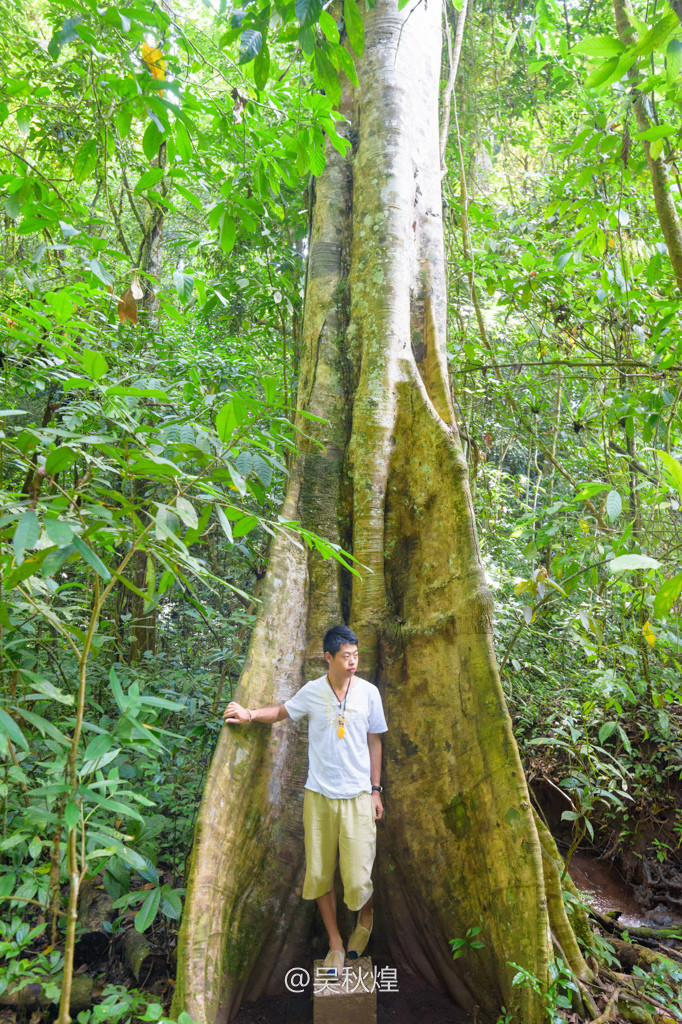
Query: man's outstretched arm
(235,714)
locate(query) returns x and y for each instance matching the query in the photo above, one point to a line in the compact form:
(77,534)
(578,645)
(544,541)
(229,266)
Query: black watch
(378,789)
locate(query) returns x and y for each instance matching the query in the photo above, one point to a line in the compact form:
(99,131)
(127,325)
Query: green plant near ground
(660,988)
(470,941)
(558,995)
(120,1005)
(21,965)
(596,777)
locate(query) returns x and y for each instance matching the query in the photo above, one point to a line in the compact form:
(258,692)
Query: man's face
(345,661)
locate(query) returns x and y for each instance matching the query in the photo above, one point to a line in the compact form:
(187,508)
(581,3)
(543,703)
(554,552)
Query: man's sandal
(359,939)
(332,968)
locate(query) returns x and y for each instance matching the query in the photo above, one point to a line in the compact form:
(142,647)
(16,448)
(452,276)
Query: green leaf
(26,534)
(607,729)
(657,34)
(28,567)
(85,161)
(94,363)
(148,911)
(237,479)
(149,179)
(133,392)
(151,141)
(100,272)
(10,729)
(307,11)
(509,44)
(674,469)
(306,38)
(590,490)
(658,131)
(45,689)
(614,505)
(189,196)
(93,560)
(63,36)
(186,511)
(184,284)
(603,73)
(183,142)
(626,563)
(244,526)
(244,462)
(61,304)
(655,149)
(24,120)
(171,904)
(117,691)
(71,814)
(329,26)
(226,422)
(354,26)
(667,595)
(347,65)
(249,45)
(54,560)
(327,75)
(59,531)
(124,118)
(673,60)
(228,233)
(225,523)
(60,459)
(302,155)
(7,883)
(124,810)
(261,67)
(166,522)
(600,46)
(263,470)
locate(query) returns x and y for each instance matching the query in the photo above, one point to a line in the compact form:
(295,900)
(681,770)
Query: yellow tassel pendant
(341,733)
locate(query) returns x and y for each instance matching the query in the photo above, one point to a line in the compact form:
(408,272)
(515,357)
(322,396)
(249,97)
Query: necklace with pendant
(341,713)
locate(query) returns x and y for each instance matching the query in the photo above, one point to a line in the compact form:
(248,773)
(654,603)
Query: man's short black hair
(335,637)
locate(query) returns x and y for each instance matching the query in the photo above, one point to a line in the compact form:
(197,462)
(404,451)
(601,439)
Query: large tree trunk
(385,477)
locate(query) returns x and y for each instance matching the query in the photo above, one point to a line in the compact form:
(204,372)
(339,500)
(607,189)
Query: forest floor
(634,889)
(413,1003)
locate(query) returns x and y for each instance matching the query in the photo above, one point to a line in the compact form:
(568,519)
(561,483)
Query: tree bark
(383,475)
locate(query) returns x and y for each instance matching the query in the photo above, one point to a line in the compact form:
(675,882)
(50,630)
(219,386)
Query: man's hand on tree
(235,714)
(378,806)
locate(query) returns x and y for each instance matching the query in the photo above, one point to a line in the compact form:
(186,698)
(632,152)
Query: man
(342,799)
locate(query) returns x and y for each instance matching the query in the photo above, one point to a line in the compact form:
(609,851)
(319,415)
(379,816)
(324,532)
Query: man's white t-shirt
(338,768)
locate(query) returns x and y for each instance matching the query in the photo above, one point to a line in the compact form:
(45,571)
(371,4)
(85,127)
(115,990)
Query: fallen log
(632,954)
(639,932)
(94,911)
(146,962)
(30,997)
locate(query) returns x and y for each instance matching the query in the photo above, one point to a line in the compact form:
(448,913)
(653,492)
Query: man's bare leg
(327,905)
(365,917)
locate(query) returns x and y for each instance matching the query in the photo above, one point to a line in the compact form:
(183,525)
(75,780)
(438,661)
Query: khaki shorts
(346,826)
